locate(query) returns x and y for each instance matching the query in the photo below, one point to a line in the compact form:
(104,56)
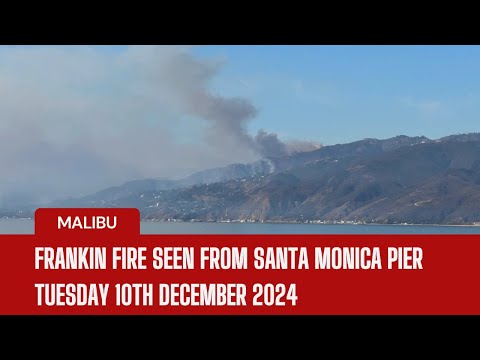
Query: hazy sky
(76,119)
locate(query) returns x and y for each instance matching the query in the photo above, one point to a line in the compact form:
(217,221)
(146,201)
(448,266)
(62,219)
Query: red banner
(94,261)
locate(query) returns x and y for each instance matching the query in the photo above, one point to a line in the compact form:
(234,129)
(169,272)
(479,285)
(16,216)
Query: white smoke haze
(299,146)
(74,120)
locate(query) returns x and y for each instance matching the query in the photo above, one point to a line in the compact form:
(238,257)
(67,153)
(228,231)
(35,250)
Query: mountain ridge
(397,180)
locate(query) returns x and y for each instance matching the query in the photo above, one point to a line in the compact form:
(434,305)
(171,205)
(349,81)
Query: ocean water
(24,226)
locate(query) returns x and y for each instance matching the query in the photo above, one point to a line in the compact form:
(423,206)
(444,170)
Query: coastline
(305,223)
(267,222)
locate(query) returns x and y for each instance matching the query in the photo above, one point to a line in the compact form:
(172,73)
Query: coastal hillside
(399,180)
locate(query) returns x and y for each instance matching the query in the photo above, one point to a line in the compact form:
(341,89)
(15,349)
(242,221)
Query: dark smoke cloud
(269,144)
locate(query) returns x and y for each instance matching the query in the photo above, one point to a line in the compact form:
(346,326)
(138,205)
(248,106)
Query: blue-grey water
(25,226)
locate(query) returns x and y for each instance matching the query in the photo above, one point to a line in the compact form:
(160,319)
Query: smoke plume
(228,118)
(76,119)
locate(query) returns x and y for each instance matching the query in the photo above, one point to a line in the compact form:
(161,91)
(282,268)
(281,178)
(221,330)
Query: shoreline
(303,223)
(279,222)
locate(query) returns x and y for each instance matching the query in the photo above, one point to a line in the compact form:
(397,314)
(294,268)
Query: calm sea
(22,226)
